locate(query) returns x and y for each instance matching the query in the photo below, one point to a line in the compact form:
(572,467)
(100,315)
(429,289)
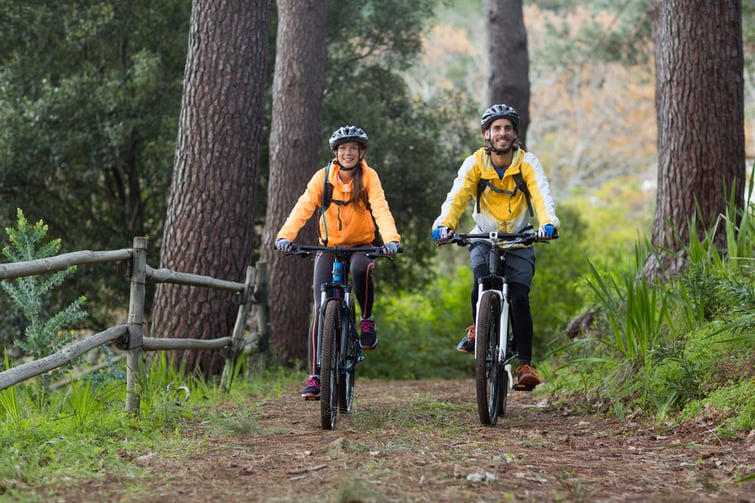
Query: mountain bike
(495,344)
(338,349)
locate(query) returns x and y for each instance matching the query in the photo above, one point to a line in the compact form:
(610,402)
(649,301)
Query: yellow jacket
(504,211)
(349,224)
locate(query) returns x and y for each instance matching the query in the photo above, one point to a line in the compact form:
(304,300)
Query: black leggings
(519,269)
(360,271)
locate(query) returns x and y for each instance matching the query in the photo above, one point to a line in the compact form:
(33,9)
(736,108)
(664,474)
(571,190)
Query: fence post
(136,322)
(237,339)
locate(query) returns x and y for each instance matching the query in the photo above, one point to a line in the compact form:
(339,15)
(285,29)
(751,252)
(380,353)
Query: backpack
(519,185)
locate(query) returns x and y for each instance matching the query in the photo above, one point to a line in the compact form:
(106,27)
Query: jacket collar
(489,172)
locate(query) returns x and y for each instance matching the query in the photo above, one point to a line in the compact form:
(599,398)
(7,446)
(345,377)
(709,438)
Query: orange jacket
(343,224)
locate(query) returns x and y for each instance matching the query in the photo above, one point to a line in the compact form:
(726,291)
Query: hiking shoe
(526,376)
(466,345)
(369,339)
(312,390)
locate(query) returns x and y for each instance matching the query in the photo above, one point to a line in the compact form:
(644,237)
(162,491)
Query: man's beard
(504,150)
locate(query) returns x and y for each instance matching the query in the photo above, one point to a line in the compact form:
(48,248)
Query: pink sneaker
(369,339)
(312,390)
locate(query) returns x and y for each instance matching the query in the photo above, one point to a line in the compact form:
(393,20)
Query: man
(509,186)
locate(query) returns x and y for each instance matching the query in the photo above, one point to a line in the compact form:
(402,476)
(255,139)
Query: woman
(353,212)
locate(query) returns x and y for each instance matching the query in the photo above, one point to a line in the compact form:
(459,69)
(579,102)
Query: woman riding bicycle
(353,212)
(507,182)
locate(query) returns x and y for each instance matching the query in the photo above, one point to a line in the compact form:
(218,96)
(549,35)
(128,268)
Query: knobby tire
(348,379)
(329,367)
(489,373)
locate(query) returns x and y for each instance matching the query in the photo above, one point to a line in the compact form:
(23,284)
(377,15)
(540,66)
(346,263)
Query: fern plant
(42,336)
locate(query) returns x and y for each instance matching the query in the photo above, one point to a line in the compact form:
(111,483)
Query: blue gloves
(283,245)
(390,248)
(441,233)
(546,231)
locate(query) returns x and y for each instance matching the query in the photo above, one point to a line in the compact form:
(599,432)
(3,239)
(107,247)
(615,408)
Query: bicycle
(495,344)
(338,350)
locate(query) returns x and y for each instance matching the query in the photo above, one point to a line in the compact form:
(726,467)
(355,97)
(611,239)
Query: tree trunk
(210,219)
(700,114)
(508,77)
(296,140)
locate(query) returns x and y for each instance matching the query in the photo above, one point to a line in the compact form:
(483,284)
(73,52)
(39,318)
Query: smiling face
(501,135)
(348,154)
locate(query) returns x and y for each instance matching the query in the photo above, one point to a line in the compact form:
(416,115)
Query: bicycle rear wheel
(329,366)
(489,373)
(346,391)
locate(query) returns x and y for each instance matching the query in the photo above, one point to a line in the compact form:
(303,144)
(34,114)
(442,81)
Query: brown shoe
(466,345)
(526,376)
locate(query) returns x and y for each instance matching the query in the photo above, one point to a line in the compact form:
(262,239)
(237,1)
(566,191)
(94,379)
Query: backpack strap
(327,196)
(519,185)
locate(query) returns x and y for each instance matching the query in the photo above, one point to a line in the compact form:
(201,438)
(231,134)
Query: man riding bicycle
(509,186)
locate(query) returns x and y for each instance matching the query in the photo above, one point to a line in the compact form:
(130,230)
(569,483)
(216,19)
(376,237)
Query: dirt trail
(421,441)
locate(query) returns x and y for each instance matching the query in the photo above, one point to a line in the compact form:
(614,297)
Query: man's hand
(546,231)
(442,233)
(283,245)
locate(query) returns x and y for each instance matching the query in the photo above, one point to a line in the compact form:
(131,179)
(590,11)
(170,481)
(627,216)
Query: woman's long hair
(357,189)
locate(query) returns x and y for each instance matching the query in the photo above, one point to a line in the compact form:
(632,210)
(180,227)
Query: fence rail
(129,336)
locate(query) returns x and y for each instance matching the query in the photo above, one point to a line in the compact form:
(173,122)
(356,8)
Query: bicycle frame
(495,283)
(494,345)
(337,346)
(338,289)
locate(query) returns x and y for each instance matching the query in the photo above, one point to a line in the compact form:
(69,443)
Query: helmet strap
(340,166)
(490,148)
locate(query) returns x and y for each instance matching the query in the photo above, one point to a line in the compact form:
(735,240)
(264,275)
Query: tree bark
(210,219)
(700,114)
(509,63)
(296,140)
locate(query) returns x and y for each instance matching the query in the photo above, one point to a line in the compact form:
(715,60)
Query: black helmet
(500,111)
(348,133)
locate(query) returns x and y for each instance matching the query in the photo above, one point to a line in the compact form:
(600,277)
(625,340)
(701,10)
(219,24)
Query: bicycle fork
(347,331)
(328,292)
(503,334)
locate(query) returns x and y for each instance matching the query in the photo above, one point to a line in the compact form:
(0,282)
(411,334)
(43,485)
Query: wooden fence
(130,336)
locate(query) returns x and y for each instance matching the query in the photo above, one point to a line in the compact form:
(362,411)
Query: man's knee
(519,294)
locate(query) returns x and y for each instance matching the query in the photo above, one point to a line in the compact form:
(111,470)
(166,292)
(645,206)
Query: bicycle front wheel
(349,373)
(489,373)
(329,366)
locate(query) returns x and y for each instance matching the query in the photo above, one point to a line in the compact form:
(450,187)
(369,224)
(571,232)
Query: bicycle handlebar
(372,252)
(526,237)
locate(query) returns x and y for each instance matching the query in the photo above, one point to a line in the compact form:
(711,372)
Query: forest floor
(422,441)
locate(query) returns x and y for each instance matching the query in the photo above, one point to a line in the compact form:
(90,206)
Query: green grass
(674,349)
(82,428)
